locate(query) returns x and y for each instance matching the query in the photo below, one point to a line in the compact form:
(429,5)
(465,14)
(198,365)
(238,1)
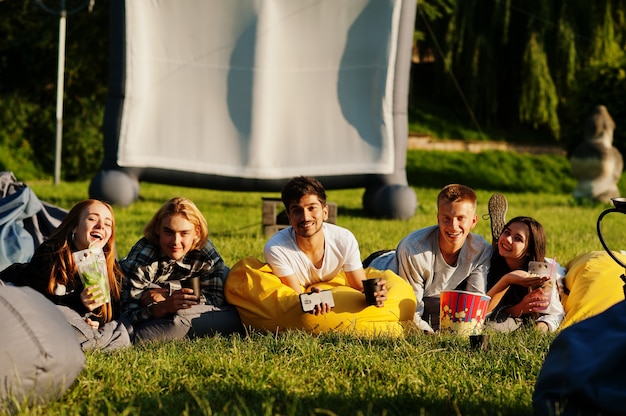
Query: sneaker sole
(497,214)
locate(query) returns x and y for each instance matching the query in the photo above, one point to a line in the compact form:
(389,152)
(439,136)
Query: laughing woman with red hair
(53,272)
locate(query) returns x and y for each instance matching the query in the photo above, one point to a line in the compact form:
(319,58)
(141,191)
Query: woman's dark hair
(536,250)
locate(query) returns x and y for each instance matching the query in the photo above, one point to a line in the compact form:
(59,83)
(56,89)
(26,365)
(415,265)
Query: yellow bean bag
(594,284)
(265,303)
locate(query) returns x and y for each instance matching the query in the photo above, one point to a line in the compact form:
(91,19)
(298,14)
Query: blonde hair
(178,206)
(64,267)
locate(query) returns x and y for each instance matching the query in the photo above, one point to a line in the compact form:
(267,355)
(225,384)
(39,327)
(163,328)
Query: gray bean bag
(39,354)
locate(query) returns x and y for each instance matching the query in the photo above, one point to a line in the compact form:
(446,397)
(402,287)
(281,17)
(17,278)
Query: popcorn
(463,312)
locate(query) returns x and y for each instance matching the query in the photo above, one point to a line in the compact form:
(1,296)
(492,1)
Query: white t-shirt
(341,251)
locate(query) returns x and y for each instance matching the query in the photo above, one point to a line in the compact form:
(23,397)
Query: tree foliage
(508,64)
(28,70)
(519,62)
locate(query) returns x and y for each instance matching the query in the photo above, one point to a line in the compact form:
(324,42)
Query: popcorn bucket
(462,312)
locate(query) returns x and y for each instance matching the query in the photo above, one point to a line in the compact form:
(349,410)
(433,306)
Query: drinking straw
(552,266)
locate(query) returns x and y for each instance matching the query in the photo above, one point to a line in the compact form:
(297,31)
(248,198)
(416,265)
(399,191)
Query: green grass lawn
(300,374)
(539,186)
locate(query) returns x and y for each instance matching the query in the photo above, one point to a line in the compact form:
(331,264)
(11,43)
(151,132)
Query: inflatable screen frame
(244,94)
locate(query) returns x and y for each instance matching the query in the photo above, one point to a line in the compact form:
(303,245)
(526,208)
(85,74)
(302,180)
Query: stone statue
(596,163)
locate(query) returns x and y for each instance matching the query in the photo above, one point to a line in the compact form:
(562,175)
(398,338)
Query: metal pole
(63,13)
(60,88)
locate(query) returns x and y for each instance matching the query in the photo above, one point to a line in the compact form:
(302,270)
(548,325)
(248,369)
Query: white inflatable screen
(261,88)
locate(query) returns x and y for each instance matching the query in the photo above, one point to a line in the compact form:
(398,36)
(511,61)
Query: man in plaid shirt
(176,247)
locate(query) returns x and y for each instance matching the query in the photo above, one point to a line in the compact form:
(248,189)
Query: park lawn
(235,218)
(294,373)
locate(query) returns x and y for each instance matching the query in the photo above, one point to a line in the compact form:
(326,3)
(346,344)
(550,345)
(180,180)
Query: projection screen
(244,94)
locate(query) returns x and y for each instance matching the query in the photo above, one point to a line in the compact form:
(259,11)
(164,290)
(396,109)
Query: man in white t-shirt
(312,250)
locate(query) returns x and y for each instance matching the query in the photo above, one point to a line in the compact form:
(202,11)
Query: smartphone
(309,300)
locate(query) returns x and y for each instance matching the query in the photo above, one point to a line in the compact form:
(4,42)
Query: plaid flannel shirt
(147,267)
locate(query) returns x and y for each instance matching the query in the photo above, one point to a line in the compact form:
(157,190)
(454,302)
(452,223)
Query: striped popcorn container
(462,312)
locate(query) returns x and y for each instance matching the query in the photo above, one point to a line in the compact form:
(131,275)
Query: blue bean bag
(583,373)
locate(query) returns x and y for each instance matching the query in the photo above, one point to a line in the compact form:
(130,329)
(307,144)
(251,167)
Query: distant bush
(28,65)
(16,152)
(494,170)
(83,145)
(28,138)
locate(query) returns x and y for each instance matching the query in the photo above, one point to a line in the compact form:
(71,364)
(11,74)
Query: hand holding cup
(545,270)
(192,283)
(375,291)
(535,301)
(92,297)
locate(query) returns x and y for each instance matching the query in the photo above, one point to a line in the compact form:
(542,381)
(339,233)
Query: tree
(518,61)
(28,68)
